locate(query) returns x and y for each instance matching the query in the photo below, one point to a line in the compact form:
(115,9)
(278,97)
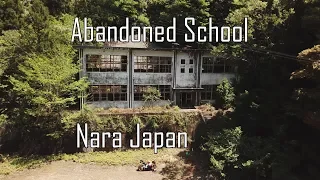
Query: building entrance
(187,99)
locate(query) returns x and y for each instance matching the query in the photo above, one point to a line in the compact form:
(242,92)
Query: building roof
(137,45)
(131,44)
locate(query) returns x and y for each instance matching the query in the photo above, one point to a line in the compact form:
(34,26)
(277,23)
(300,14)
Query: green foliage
(110,12)
(222,147)
(170,119)
(41,73)
(151,95)
(225,94)
(11,14)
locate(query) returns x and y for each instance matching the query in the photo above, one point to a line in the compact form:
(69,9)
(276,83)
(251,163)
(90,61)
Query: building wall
(177,78)
(210,79)
(184,77)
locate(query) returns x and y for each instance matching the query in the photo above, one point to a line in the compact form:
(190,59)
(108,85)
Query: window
(183,61)
(106,63)
(164,91)
(107,93)
(191,61)
(182,70)
(207,66)
(209,92)
(190,70)
(153,64)
(218,65)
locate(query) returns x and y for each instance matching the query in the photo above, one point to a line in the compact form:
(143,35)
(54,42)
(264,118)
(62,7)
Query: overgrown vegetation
(165,119)
(12,164)
(151,95)
(225,94)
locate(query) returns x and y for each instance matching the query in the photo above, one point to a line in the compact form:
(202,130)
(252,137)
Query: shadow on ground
(189,166)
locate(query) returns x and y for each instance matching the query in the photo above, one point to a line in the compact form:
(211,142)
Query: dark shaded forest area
(274,129)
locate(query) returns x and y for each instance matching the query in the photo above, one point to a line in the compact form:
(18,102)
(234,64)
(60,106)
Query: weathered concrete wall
(152,53)
(109,104)
(142,103)
(152,78)
(185,79)
(106,52)
(111,78)
(214,78)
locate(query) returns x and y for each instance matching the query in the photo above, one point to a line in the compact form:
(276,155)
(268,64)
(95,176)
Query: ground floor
(106,96)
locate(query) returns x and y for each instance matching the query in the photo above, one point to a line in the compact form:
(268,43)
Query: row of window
(208,92)
(108,93)
(165,91)
(106,63)
(216,65)
(183,61)
(182,70)
(152,64)
(119,92)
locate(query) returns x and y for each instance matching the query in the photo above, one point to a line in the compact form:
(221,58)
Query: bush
(222,147)
(151,95)
(225,94)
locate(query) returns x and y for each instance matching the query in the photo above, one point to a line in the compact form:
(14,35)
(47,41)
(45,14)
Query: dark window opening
(191,61)
(106,63)
(182,70)
(190,70)
(183,61)
(209,92)
(218,65)
(152,64)
(107,93)
(165,91)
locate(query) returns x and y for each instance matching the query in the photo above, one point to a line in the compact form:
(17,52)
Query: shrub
(222,147)
(151,95)
(225,94)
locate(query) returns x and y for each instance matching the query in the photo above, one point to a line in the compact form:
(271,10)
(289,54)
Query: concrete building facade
(118,76)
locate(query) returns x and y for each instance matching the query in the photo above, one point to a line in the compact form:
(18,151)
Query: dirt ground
(61,170)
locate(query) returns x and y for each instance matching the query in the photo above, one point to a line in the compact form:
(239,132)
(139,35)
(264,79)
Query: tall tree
(11,14)
(112,12)
(41,83)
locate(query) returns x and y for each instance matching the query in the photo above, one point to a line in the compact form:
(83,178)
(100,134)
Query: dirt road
(62,170)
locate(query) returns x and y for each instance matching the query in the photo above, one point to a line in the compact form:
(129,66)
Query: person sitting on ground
(154,166)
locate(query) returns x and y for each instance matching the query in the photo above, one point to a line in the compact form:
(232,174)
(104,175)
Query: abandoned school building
(119,73)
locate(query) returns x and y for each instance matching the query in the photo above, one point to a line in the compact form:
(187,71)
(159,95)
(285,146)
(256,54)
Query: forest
(273,130)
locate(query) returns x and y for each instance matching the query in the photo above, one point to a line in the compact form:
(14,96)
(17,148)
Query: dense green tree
(11,14)
(181,9)
(112,12)
(39,79)
(58,7)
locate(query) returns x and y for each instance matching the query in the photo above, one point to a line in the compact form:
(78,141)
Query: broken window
(165,91)
(218,65)
(209,92)
(152,64)
(207,65)
(106,63)
(107,93)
